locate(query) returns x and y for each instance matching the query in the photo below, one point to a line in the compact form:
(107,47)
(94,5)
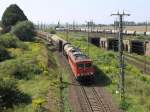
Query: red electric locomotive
(80,64)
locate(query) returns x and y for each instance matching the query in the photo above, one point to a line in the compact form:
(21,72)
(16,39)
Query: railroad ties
(92,101)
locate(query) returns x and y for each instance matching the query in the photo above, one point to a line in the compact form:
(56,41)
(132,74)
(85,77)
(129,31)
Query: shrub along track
(90,98)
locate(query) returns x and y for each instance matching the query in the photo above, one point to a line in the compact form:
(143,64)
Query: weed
(124,105)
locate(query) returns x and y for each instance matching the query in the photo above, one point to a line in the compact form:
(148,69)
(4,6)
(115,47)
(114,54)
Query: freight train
(80,64)
(125,32)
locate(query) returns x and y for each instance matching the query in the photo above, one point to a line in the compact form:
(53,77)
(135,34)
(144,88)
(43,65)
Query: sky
(80,11)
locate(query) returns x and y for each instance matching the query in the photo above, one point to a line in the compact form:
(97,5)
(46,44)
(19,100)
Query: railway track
(144,67)
(138,59)
(94,102)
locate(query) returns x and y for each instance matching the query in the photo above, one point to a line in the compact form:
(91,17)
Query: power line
(121,57)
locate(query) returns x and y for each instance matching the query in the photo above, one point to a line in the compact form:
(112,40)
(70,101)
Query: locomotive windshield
(80,66)
(84,65)
(87,65)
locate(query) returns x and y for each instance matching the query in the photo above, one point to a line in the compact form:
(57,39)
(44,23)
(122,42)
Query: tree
(24,30)
(52,31)
(11,16)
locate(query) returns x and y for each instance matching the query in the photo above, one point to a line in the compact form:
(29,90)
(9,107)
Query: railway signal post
(67,31)
(121,57)
(146,24)
(88,28)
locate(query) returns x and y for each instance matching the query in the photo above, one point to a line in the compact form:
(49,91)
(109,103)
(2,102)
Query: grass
(136,84)
(65,91)
(39,84)
(31,87)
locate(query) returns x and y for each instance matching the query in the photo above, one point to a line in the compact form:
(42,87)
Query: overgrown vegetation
(10,41)
(10,95)
(24,30)
(136,83)
(3,54)
(27,76)
(15,69)
(27,67)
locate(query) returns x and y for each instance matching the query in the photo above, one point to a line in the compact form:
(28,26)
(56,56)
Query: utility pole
(73,27)
(67,32)
(145,57)
(115,27)
(146,26)
(88,25)
(38,26)
(121,57)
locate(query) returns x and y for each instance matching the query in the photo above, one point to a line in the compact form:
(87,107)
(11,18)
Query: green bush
(24,31)
(3,54)
(10,94)
(8,41)
(26,71)
(143,78)
(124,105)
(20,69)
(11,41)
(11,16)
(52,31)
